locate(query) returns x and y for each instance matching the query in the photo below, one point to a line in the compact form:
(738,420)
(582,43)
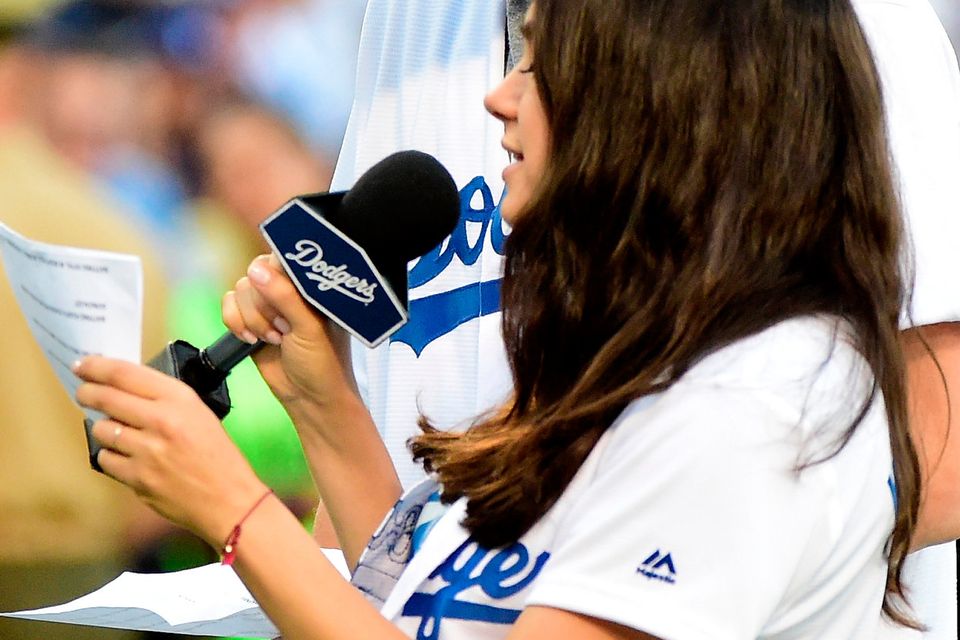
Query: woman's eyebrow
(526,30)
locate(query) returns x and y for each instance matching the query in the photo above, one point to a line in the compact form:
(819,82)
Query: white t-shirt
(423,71)
(921,81)
(689,519)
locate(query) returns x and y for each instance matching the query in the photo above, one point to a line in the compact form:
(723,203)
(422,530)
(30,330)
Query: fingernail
(282,325)
(249,337)
(75,367)
(258,274)
(273,337)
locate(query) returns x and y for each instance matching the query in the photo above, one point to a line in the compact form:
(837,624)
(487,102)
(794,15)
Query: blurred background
(168,129)
(949,11)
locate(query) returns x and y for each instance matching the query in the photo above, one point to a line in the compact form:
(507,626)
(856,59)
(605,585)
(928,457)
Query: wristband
(229,551)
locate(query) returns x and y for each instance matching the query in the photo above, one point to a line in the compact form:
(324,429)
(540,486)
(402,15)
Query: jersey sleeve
(696,523)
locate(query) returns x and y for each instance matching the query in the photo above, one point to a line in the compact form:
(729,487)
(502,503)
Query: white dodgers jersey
(424,68)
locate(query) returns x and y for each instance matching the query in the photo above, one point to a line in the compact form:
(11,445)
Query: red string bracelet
(230,546)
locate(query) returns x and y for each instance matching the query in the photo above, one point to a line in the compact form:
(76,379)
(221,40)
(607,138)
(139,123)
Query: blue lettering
(432,317)
(654,576)
(432,264)
(507,573)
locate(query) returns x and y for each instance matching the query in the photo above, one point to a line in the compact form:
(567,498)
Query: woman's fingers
(256,313)
(164,443)
(120,438)
(119,467)
(233,320)
(250,310)
(267,305)
(135,379)
(120,405)
(290,311)
(122,450)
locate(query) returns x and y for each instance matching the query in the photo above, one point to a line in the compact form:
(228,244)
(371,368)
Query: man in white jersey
(921,84)
(423,70)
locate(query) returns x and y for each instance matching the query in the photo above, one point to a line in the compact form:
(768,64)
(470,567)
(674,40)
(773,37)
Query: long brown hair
(716,167)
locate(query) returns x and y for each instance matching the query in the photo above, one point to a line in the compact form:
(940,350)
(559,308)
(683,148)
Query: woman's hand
(307,358)
(165,444)
(307,365)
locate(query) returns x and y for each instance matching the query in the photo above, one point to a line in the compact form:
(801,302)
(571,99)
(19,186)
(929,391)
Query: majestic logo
(328,276)
(505,573)
(658,567)
(434,316)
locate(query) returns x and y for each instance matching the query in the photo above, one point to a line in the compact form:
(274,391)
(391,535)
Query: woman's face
(526,136)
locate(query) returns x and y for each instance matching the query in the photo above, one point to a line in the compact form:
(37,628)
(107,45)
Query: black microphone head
(401,208)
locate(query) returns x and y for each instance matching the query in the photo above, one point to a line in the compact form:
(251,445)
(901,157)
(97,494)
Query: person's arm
(355,477)
(324,533)
(307,366)
(171,450)
(308,600)
(933,382)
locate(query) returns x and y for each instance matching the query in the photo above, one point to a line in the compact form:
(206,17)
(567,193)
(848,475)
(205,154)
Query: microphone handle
(203,370)
(224,354)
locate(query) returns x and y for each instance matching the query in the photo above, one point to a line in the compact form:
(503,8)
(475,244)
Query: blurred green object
(257,422)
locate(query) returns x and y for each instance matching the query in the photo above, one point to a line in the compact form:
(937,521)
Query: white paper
(77,302)
(206,601)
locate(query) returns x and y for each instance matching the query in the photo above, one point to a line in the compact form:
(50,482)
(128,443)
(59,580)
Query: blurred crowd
(169,129)
(153,99)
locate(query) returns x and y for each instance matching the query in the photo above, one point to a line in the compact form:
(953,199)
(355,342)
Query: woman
(707,433)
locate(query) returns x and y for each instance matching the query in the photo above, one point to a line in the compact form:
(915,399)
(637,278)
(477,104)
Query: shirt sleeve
(696,523)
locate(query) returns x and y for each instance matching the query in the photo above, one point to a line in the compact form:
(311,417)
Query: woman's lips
(515,160)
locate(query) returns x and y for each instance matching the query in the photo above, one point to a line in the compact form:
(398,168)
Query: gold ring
(117,431)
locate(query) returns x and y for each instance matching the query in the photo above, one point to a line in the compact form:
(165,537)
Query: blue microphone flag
(332,272)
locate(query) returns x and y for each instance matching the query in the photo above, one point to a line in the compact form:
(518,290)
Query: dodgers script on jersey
(423,70)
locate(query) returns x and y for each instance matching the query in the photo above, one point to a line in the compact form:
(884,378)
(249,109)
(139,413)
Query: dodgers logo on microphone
(333,273)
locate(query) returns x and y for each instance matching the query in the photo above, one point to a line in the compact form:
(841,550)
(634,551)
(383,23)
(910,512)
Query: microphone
(400,209)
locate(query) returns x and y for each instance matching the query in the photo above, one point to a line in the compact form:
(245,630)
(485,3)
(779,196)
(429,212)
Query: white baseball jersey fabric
(921,82)
(423,71)
(690,519)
